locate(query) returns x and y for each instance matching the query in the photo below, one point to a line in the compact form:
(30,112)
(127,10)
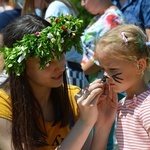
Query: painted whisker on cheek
(116,78)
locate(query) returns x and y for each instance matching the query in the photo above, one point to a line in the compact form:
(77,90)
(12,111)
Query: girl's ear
(141,66)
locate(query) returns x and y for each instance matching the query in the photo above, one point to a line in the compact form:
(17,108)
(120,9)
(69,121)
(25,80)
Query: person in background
(11,10)
(124,57)
(6,5)
(107,16)
(38,109)
(136,12)
(37,7)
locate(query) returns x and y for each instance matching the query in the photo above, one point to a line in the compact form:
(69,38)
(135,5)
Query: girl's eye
(112,69)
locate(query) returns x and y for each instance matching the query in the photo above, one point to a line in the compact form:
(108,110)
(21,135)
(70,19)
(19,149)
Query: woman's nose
(60,65)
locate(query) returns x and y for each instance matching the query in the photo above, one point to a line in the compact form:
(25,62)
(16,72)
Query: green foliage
(64,32)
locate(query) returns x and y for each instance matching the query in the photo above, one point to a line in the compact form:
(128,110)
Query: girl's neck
(136,90)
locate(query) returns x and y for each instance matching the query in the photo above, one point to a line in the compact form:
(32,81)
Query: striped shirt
(133,122)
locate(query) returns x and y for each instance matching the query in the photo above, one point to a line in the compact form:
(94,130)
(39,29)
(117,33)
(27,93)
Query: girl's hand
(88,99)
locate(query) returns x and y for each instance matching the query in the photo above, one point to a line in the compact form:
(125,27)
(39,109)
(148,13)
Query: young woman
(37,106)
(48,8)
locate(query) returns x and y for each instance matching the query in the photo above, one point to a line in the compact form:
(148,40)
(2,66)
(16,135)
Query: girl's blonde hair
(126,42)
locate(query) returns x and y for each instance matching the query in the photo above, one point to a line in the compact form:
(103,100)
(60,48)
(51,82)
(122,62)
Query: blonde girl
(125,57)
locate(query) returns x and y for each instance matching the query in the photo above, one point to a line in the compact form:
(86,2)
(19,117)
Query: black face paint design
(104,78)
(116,78)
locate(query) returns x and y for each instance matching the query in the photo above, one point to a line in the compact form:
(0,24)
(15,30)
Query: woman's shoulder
(73,89)
(113,10)
(3,94)
(5,105)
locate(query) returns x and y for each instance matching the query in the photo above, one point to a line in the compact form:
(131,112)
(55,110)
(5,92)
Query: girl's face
(92,6)
(121,75)
(50,77)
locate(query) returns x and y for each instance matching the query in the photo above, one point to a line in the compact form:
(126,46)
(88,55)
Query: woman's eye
(47,64)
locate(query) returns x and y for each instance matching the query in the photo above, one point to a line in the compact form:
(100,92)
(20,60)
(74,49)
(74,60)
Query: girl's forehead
(108,61)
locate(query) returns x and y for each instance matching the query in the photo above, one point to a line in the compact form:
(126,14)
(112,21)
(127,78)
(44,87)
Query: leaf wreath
(52,41)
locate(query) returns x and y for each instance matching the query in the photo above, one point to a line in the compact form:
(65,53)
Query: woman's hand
(107,108)
(88,99)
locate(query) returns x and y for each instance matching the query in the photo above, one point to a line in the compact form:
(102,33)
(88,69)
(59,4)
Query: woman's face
(120,74)
(92,6)
(51,76)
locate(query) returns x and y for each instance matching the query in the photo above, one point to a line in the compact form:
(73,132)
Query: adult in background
(107,16)
(136,12)
(11,9)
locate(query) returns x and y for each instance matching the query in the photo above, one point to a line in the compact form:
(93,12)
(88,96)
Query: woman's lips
(58,77)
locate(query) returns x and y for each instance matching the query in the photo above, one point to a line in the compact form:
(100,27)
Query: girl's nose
(106,75)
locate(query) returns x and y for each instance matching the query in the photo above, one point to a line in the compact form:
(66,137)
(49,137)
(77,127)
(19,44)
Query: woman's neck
(43,97)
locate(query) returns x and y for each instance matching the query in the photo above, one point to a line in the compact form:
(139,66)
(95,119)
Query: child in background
(123,54)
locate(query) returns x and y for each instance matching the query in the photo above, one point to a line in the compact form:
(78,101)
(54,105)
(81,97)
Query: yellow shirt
(55,134)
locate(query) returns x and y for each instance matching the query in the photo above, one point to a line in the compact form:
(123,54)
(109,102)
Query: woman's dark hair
(27,132)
